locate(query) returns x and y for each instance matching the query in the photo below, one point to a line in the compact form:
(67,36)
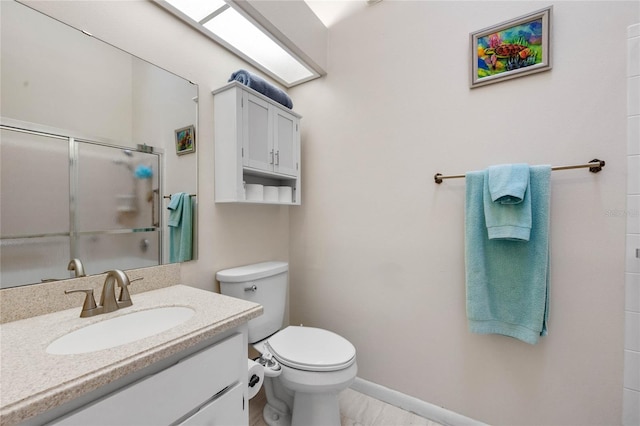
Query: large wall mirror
(92,145)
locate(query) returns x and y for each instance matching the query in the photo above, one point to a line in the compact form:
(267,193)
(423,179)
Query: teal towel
(507,282)
(180,227)
(508,183)
(507,204)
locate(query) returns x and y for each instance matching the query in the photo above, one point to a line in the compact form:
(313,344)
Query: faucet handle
(124,299)
(89,306)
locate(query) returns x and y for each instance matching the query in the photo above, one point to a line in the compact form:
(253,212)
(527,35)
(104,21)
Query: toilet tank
(264,283)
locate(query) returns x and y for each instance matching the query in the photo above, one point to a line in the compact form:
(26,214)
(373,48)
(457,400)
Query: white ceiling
(332,11)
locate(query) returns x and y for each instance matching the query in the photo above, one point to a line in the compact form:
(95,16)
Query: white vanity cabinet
(257,141)
(206,388)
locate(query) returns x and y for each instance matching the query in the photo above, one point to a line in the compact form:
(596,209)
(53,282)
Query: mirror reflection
(89,152)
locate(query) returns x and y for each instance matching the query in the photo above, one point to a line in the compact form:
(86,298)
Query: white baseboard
(414,405)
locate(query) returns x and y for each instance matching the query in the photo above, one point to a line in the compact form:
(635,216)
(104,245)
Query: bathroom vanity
(191,373)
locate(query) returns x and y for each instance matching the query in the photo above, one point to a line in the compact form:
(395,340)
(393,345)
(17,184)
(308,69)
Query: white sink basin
(120,330)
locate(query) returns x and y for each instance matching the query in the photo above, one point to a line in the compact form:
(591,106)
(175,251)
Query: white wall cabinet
(257,141)
(205,388)
(270,137)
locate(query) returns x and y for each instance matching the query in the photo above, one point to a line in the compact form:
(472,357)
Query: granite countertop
(34,381)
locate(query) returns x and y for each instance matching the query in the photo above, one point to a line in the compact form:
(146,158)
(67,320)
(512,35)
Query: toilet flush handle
(252,288)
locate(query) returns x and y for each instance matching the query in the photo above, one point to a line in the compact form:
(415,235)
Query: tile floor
(356,409)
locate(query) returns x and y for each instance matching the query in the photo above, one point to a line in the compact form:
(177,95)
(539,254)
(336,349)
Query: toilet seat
(311,349)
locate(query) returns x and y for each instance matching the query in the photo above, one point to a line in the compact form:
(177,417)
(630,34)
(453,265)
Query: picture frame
(186,140)
(510,49)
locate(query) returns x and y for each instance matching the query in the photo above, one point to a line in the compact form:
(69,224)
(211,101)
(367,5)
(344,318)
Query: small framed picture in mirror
(185,140)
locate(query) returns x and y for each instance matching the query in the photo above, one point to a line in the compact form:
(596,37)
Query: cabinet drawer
(228,410)
(168,395)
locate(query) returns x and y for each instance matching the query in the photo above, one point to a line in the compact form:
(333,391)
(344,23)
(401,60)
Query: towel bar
(169,196)
(594,166)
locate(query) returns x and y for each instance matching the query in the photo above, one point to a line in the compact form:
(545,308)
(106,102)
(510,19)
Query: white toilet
(311,365)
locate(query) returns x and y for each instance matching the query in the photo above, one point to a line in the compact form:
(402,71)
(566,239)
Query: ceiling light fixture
(243,36)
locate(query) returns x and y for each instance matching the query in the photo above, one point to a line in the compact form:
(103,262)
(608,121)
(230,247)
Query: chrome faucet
(76,265)
(108,302)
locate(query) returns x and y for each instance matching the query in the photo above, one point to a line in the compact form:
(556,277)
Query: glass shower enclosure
(65,197)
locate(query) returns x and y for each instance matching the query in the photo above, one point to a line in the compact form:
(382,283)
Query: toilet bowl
(312,365)
(316,366)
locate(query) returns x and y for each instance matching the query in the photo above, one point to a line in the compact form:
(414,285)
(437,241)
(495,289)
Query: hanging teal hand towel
(508,183)
(507,282)
(180,227)
(507,204)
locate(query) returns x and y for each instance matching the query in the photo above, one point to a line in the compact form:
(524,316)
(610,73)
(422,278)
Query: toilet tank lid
(252,272)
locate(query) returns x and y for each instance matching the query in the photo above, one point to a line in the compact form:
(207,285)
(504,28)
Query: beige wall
(377,247)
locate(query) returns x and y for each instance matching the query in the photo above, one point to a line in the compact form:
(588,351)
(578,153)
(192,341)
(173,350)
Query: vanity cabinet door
(170,395)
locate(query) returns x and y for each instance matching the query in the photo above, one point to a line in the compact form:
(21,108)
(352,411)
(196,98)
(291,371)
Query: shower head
(127,152)
(123,163)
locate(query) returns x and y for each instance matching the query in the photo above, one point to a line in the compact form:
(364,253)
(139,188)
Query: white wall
(631,392)
(35,85)
(377,248)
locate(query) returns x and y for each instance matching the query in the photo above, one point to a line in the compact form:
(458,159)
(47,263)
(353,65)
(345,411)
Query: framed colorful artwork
(185,140)
(511,49)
